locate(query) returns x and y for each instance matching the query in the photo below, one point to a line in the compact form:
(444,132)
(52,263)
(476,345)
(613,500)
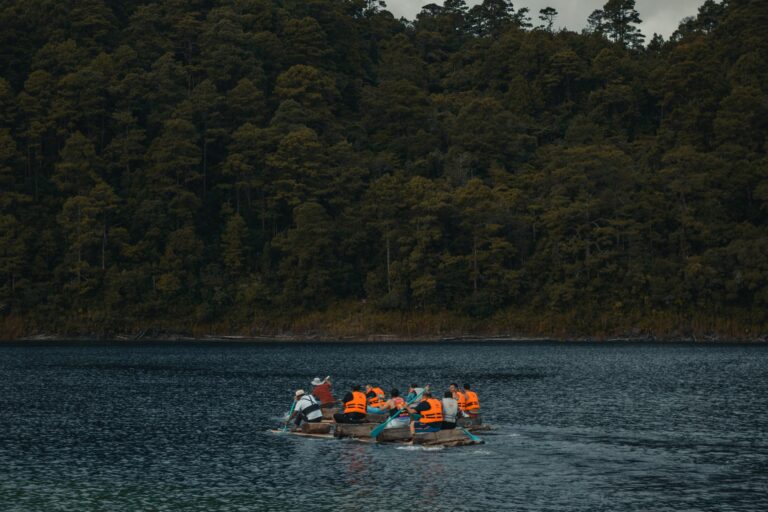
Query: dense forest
(252,166)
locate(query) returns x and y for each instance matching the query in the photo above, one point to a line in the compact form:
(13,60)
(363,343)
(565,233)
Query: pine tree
(548,15)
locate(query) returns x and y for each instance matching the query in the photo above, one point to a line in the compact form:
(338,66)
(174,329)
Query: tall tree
(617,19)
(548,15)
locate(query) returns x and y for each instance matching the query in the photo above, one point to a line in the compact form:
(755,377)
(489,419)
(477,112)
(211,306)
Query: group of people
(429,413)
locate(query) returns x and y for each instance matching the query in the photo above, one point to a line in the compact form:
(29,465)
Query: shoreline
(356,323)
(377,338)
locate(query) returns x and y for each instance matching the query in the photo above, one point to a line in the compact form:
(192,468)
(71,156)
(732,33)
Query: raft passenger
(397,409)
(413,392)
(376,399)
(431,411)
(354,407)
(307,408)
(472,405)
(322,391)
(450,411)
(461,398)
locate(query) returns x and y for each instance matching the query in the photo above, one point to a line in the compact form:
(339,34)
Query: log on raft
(316,428)
(357,430)
(453,437)
(393,435)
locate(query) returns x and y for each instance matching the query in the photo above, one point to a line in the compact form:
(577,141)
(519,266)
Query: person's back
(396,406)
(307,409)
(354,407)
(431,411)
(323,393)
(414,392)
(450,411)
(376,399)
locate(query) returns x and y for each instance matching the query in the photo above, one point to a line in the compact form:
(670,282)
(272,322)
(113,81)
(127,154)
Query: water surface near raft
(169,426)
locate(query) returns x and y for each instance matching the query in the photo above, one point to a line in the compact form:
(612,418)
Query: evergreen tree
(548,15)
(220,162)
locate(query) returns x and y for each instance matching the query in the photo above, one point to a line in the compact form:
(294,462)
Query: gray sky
(661,16)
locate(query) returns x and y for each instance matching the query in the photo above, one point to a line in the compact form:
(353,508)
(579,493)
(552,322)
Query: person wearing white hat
(307,408)
(322,391)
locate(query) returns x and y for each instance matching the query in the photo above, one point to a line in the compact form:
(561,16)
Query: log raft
(316,428)
(354,430)
(453,437)
(328,428)
(362,432)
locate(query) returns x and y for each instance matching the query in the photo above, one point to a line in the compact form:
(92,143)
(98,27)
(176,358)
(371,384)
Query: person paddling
(376,399)
(394,406)
(354,407)
(414,391)
(307,408)
(431,411)
(322,391)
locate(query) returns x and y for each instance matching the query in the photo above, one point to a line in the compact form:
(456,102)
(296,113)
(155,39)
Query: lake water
(168,426)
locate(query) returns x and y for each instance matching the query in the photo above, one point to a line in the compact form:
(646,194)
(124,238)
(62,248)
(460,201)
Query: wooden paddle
(378,430)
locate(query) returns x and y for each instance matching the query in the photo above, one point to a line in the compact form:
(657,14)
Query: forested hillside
(239,165)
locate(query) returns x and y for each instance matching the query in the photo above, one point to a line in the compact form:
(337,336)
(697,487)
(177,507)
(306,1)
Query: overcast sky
(661,16)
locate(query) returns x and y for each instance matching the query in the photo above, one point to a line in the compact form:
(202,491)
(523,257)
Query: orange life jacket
(435,412)
(399,404)
(473,403)
(357,404)
(377,400)
(461,399)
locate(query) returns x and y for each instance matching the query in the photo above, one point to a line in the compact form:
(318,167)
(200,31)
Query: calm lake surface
(167,426)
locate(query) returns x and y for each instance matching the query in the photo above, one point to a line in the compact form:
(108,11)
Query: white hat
(299,392)
(316,381)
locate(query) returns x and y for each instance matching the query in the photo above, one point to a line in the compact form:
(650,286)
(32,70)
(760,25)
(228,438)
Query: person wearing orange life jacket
(472,405)
(460,397)
(431,411)
(376,399)
(354,407)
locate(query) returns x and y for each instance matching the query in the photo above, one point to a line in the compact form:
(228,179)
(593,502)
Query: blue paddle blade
(472,437)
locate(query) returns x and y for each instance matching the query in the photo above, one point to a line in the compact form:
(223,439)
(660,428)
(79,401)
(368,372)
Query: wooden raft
(356,430)
(393,435)
(316,428)
(455,437)
(376,418)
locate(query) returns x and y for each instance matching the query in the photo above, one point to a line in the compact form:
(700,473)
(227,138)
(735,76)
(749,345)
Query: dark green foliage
(221,161)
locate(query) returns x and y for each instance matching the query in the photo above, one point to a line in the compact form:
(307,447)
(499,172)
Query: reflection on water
(578,427)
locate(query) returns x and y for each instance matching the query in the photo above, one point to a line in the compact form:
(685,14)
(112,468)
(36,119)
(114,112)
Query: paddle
(293,406)
(472,437)
(378,430)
